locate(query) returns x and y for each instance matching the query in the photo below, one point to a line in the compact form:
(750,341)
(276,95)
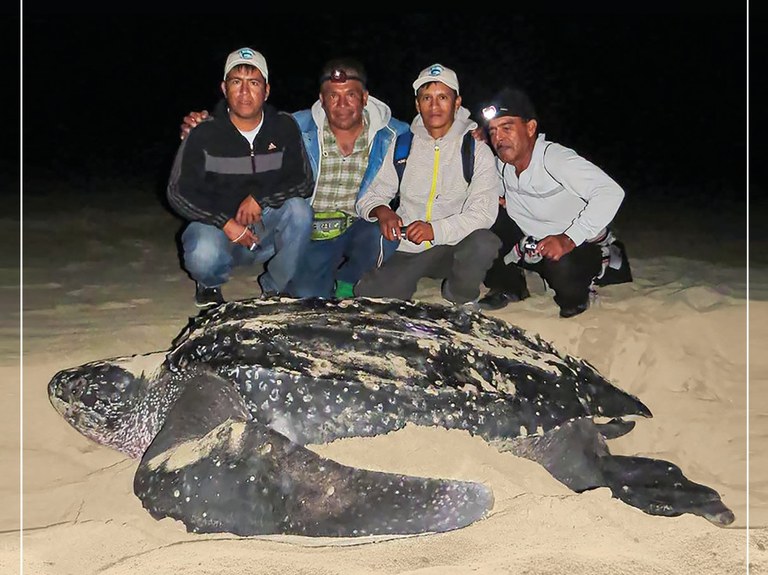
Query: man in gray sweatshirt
(557,209)
(442,221)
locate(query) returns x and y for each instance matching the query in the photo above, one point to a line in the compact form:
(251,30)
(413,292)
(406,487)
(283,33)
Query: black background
(657,98)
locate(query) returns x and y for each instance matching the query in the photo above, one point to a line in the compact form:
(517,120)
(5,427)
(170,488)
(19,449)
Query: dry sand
(104,280)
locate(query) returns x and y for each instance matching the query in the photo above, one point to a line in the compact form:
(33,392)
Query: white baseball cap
(247,56)
(437,73)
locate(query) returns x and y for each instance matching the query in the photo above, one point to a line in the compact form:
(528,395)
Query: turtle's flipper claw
(659,487)
(615,428)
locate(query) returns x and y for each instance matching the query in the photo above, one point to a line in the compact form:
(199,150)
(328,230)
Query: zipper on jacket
(433,188)
(253,160)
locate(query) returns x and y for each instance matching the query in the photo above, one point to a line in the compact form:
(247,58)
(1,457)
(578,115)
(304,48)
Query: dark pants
(463,266)
(570,277)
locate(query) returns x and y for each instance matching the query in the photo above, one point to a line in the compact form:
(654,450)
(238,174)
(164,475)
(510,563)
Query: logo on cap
(246,54)
(436,70)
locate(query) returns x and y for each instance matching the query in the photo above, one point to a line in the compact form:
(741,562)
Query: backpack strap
(400,157)
(468,156)
(402,149)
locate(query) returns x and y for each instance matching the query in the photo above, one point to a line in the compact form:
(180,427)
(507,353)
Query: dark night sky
(656,98)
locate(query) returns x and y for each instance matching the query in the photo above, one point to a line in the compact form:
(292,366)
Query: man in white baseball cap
(241,180)
(443,218)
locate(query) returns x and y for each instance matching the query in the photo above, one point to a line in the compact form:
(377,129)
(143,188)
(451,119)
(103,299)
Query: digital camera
(530,244)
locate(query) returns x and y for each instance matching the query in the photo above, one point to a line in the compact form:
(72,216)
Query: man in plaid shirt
(346,134)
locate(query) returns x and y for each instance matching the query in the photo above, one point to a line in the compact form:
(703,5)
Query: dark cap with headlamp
(510,102)
(343,70)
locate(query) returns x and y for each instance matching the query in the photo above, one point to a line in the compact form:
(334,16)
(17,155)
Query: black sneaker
(575,310)
(499,298)
(206,297)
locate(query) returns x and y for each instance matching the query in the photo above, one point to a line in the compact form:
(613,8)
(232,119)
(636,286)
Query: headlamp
(339,76)
(490,112)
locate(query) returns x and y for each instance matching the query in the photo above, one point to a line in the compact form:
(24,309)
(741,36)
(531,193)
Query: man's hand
(249,212)
(389,222)
(419,232)
(190,121)
(239,234)
(555,247)
(480,135)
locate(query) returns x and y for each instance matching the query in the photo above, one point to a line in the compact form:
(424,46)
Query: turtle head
(99,398)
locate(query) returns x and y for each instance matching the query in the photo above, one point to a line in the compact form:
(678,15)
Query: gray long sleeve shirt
(560,192)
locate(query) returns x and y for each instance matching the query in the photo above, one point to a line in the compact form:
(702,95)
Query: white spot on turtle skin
(330,491)
(176,493)
(523,431)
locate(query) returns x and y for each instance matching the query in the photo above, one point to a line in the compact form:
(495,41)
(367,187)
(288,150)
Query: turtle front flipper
(217,471)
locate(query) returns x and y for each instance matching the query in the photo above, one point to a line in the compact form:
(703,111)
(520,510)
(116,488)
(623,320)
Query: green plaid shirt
(340,176)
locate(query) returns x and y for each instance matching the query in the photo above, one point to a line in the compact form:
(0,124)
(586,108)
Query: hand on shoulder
(191,120)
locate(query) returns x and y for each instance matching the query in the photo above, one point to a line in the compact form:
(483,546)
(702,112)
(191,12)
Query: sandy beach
(98,282)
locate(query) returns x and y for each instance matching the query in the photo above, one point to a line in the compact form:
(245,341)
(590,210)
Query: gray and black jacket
(216,167)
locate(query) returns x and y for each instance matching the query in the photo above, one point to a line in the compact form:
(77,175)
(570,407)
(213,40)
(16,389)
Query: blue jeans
(359,249)
(284,233)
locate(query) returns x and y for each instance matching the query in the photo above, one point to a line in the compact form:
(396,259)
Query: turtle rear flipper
(659,487)
(216,471)
(577,456)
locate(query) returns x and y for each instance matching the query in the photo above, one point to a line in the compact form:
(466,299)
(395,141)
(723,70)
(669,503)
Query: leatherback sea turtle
(221,419)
